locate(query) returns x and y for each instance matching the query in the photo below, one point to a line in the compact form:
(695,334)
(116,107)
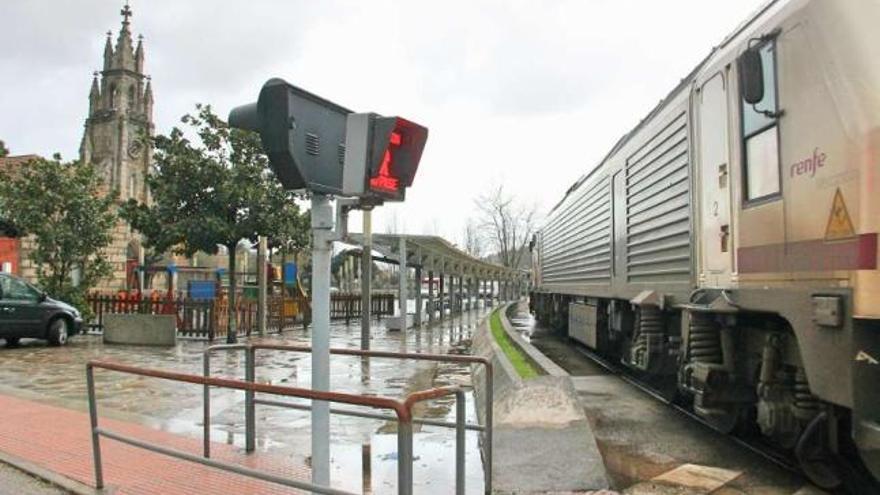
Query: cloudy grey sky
(530,94)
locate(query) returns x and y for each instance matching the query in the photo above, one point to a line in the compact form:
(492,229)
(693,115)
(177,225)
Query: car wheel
(58,331)
(12,341)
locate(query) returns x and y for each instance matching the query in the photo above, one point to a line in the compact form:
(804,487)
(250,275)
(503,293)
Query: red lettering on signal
(385,181)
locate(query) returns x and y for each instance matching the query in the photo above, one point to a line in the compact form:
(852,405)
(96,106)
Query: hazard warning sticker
(840,225)
(864,357)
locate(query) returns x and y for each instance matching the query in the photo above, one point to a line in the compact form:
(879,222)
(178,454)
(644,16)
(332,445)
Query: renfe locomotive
(727,246)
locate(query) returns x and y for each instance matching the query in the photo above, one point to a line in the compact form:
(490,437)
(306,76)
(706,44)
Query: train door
(713,183)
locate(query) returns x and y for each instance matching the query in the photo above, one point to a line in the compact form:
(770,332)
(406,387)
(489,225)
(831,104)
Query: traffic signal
(302,134)
(315,144)
(381,156)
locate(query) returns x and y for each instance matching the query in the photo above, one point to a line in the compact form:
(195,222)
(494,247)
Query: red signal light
(381,156)
(386,180)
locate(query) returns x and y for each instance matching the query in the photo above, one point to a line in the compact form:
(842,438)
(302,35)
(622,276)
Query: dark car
(27,312)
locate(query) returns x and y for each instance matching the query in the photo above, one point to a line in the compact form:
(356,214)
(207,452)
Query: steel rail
(764,452)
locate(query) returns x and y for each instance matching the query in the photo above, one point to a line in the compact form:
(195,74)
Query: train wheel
(815,457)
(723,419)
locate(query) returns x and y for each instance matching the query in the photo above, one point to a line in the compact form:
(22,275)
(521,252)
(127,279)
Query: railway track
(768,452)
(855,480)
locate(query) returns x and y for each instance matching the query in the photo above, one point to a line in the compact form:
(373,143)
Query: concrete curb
(535,356)
(51,477)
(542,440)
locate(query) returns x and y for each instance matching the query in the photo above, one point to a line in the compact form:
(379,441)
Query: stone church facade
(119,123)
(115,141)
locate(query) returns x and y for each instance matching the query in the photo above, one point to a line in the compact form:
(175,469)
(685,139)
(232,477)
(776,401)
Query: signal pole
(322,236)
(381,158)
(262,282)
(366,278)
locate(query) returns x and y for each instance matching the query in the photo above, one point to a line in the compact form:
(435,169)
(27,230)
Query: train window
(762,162)
(760,133)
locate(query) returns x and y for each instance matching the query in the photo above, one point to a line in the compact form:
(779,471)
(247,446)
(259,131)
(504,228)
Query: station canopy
(435,254)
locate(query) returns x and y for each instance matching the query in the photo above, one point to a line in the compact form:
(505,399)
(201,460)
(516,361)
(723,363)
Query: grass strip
(520,362)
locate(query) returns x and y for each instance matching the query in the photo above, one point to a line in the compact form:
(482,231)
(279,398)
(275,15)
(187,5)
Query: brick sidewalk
(59,440)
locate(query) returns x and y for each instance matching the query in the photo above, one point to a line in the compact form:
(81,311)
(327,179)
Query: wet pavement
(363,451)
(15,482)
(649,447)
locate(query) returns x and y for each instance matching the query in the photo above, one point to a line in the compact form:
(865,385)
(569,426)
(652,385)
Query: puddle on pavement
(358,445)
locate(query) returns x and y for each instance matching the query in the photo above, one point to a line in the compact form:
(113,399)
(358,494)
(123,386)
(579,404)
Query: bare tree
(507,224)
(472,242)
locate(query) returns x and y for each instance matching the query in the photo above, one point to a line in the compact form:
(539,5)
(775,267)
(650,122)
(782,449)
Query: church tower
(119,121)
(120,116)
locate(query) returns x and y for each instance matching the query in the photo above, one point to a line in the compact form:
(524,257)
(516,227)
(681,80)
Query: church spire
(148,100)
(94,95)
(124,52)
(120,110)
(139,56)
(108,52)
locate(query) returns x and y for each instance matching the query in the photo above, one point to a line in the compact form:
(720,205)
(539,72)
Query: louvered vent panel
(658,208)
(340,153)
(313,144)
(577,240)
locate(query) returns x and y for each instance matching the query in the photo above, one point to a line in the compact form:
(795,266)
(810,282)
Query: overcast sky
(530,94)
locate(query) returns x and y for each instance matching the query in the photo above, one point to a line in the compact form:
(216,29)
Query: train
(726,247)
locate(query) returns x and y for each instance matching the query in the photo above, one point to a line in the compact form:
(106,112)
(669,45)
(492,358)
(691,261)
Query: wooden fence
(195,318)
(202,319)
(348,306)
(208,319)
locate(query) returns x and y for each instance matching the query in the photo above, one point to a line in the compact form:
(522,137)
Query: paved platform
(58,440)
(55,376)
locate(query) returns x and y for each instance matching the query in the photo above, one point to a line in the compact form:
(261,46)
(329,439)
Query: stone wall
(115,254)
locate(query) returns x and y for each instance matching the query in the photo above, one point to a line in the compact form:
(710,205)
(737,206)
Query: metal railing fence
(251,401)
(402,410)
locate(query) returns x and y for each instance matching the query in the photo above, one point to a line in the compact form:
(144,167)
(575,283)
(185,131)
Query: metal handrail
(402,409)
(251,401)
(368,415)
(415,356)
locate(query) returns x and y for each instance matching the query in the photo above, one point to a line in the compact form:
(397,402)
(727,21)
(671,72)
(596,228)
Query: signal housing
(382,156)
(302,133)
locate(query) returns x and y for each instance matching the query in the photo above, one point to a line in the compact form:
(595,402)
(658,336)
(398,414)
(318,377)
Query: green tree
(214,192)
(7,228)
(65,209)
(293,235)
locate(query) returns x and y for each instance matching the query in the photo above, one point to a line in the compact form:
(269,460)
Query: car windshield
(16,288)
